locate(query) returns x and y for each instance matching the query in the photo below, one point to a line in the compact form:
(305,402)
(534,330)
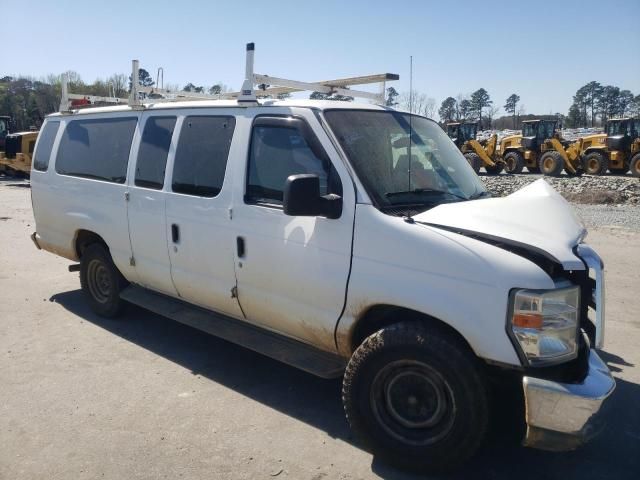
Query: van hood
(536,217)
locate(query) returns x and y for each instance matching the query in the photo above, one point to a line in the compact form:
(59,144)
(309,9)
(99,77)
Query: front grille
(596,281)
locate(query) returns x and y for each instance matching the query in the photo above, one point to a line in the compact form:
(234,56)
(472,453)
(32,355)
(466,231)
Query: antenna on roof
(408,218)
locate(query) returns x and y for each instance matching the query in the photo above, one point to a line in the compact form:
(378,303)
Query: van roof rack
(254,86)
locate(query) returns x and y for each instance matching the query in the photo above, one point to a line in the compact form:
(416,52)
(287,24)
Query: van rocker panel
(284,349)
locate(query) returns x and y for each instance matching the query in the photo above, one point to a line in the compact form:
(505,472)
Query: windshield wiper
(423,190)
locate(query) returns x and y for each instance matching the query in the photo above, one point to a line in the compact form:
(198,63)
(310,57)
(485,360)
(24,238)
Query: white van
(322,234)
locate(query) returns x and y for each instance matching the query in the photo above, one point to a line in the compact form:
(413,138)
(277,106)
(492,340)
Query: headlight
(544,323)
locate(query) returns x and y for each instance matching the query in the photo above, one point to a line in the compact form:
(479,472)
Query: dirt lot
(143,397)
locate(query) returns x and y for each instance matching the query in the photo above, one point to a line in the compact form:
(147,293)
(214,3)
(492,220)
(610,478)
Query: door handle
(175,233)
(240,246)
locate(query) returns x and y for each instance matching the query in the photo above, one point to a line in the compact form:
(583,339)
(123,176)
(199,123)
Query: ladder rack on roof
(267,86)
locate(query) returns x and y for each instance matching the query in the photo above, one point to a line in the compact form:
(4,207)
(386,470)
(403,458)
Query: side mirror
(302,198)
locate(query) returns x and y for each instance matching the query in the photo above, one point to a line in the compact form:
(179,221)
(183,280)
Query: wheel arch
(83,238)
(383,315)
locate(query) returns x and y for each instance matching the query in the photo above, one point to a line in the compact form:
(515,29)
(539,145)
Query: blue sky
(542,50)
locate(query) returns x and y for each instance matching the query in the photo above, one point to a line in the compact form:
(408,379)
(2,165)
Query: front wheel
(513,162)
(551,163)
(595,163)
(101,281)
(416,397)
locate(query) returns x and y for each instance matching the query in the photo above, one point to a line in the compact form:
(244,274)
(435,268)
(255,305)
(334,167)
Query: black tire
(101,281)
(513,162)
(494,170)
(634,165)
(474,161)
(429,377)
(551,163)
(595,163)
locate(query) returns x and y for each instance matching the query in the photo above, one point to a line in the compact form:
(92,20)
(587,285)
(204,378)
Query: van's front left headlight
(544,323)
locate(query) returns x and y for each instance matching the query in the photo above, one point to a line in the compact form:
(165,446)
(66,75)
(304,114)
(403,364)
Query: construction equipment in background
(617,149)
(18,152)
(478,154)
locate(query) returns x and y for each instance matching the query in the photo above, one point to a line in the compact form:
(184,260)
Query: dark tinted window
(201,156)
(96,148)
(276,153)
(152,155)
(46,138)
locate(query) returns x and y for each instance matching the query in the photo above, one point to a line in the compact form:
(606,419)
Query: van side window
(97,148)
(201,155)
(276,153)
(47,137)
(153,152)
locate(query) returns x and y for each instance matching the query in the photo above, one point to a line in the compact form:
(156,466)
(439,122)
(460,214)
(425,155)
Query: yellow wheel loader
(618,149)
(477,154)
(19,148)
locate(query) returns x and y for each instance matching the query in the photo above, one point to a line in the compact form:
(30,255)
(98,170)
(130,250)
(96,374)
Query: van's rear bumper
(563,416)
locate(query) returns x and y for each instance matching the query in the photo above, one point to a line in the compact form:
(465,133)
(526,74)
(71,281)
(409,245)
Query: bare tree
(491,113)
(120,83)
(418,103)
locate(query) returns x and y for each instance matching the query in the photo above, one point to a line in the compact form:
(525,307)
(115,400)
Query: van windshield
(418,171)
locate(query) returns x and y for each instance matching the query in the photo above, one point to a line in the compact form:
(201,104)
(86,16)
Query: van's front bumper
(563,416)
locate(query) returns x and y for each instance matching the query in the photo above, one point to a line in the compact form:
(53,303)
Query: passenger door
(292,272)
(199,234)
(146,206)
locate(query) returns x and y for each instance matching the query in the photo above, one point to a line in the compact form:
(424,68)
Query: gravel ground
(607,201)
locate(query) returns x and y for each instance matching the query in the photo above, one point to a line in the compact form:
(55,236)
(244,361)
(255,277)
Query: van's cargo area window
(153,152)
(276,153)
(97,148)
(47,137)
(201,156)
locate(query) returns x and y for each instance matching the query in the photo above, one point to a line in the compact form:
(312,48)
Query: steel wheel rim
(592,165)
(99,281)
(548,164)
(412,402)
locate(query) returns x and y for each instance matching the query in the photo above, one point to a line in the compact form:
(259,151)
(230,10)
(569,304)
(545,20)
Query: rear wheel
(101,281)
(513,162)
(416,397)
(595,163)
(551,163)
(634,165)
(474,161)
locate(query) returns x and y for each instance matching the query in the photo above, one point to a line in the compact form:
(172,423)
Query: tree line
(28,100)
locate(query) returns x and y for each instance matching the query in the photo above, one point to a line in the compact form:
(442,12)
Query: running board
(289,351)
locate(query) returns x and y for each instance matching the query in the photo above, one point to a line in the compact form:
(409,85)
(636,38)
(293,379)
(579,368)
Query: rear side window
(45,144)
(97,148)
(201,156)
(152,155)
